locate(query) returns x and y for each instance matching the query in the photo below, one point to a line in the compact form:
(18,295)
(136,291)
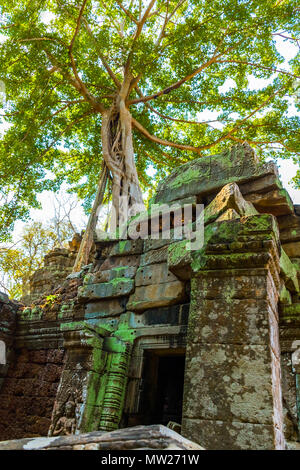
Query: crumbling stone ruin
(58,264)
(153,333)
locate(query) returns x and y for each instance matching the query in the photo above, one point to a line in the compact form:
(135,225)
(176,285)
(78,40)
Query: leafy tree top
(64,63)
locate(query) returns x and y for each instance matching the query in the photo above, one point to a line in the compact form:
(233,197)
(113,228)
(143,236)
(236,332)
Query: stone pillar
(94,379)
(232,392)
(75,404)
(114,395)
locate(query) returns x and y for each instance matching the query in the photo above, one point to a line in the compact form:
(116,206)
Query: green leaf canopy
(63,63)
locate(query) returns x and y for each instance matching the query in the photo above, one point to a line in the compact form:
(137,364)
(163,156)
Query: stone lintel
(229,198)
(276,202)
(288,272)
(289,335)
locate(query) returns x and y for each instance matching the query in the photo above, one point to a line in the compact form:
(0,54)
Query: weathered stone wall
(111,328)
(28,393)
(8,314)
(289,393)
(296,368)
(35,364)
(289,309)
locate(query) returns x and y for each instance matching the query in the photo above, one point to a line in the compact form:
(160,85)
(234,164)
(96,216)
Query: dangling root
(88,237)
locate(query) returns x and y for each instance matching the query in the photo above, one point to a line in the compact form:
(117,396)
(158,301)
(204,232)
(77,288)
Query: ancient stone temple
(152,332)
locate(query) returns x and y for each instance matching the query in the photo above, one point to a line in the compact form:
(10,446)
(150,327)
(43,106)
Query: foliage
(18,262)
(51,299)
(63,63)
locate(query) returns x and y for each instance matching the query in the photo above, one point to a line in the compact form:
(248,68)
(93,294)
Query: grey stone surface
(156,295)
(118,287)
(229,435)
(154,273)
(209,174)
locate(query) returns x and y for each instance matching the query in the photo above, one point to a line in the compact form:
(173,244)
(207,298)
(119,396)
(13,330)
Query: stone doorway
(162,387)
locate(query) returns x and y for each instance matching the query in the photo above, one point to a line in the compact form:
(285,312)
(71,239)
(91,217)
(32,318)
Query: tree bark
(88,237)
(118,155)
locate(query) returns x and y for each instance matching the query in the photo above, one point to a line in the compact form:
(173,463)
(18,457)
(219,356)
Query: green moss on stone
(291,310)
(289,272)
(31,313)
(285,296)
(186,177)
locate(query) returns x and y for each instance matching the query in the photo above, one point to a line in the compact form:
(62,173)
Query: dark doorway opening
(162,389)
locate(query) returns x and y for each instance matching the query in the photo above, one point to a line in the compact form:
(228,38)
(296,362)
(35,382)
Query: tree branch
(143,20)
(8,26)
(163,116)
(176,85)
(166,21)
(267,142)
(77,84)
(208,146)
(258,66)
(103,60)
(77,25)
(157,140)
(60,110)
(118,26)
(228,134)
(161,49)
(127,12)
(50,117)
(167,157)
(138,31)
(59,41)
(82,86)
(66,129)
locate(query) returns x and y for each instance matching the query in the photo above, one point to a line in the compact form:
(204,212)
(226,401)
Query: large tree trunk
(118,155)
